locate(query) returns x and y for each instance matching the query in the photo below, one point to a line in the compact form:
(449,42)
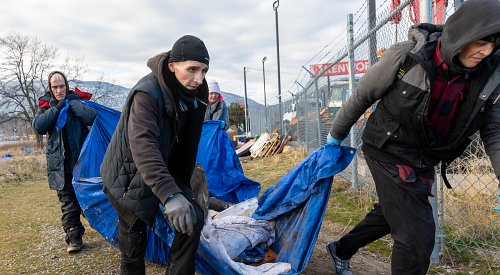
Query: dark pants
(132,240)
(71,210)
(403,211)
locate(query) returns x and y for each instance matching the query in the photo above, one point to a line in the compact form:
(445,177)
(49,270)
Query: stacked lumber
(269,144)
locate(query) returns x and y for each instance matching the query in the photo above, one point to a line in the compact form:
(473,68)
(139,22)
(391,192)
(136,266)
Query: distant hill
(230,98)
(119,94)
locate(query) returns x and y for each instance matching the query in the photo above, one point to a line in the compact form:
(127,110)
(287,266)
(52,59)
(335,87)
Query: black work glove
(180,213)
(61,104)
(72,96)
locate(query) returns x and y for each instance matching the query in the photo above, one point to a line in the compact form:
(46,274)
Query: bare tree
(24,65)
(102,91)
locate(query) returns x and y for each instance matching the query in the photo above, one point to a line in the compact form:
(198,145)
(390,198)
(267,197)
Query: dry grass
(15,148)
(21,167)
(267,171)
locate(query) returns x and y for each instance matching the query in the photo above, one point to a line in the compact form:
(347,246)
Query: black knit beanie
(189,47)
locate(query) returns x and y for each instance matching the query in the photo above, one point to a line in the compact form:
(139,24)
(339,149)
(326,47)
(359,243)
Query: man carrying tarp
(65,118)
(152,154)
(435,90)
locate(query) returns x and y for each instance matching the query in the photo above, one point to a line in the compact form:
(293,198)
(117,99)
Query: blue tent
(297,202)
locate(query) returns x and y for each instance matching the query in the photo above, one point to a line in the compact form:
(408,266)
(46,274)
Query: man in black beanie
(152,154)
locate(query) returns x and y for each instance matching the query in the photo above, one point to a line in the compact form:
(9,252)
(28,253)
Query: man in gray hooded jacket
(434,92)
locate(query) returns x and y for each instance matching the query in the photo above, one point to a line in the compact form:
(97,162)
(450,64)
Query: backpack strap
(409,63)
(444,166)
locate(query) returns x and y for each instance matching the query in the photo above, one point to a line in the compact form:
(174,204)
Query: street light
(247,122)
(276,4)
(265,102)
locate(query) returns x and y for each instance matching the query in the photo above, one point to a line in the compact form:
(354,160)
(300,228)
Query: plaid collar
(438,58)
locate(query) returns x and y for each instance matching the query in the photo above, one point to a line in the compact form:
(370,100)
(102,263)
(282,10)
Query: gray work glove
(180,213)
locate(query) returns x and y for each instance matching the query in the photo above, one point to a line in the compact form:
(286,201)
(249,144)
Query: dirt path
(362,263)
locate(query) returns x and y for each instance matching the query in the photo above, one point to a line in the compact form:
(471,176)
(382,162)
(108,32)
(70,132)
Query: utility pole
(247,128)
(275,7)
(372,20)
(265,102)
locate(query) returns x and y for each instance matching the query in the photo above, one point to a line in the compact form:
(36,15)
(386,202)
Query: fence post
(352,86)
(306,138)
(317,113)
(297,111)
(316,96)
(434,204)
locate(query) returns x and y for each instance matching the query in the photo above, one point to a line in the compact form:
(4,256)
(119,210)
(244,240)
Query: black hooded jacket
(402,79)
(153,152)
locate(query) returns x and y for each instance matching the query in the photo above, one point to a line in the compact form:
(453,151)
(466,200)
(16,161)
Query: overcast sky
(116,38)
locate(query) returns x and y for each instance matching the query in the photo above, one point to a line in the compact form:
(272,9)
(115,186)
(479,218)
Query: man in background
(66,119)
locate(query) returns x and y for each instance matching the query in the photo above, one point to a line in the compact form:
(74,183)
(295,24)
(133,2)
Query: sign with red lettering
(341,68)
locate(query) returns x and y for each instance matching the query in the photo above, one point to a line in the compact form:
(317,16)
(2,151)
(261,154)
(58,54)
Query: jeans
(404,212)
(132,241)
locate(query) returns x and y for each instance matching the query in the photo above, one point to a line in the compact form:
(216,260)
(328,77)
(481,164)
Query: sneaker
(341,266)
(74,246)
(74,240)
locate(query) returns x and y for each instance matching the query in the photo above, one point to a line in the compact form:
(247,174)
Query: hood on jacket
(474,20)
(65,82)
(158,65)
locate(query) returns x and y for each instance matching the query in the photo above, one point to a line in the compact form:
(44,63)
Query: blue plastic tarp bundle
(297,202)
(218,158)
(6,156)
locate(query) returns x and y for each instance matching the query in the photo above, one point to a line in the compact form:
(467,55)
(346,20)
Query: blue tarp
(222,167)
(297,202)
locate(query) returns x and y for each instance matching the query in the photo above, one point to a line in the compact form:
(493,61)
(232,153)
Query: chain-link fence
(467,226)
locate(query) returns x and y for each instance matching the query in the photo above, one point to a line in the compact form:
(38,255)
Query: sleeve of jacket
(143,133)
(84,113)
(370,88)
(45,120)
(490,132)
(225,115)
